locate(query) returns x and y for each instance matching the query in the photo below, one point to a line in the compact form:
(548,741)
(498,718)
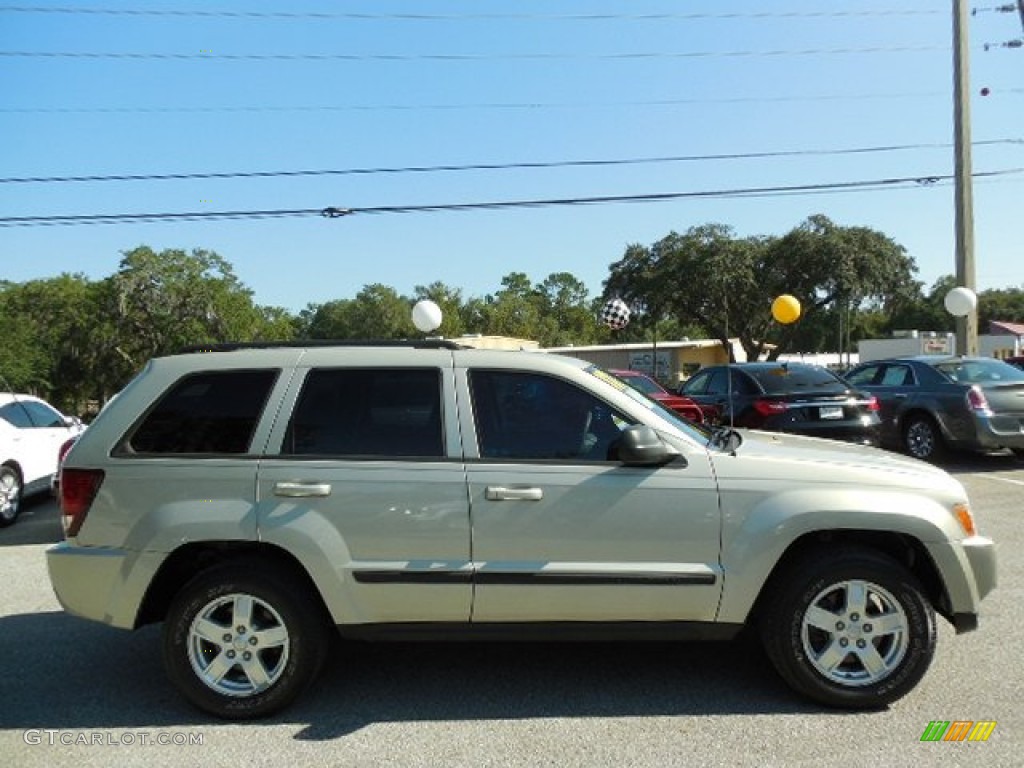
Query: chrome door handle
(501,493)
(301,490)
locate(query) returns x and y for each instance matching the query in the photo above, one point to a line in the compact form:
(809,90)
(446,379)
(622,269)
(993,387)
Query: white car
(31,435)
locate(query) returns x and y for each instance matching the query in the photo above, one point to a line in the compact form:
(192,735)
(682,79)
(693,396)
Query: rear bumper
(100,583)
(999,431)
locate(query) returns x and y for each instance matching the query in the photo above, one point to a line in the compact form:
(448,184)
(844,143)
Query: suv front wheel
(850,629)
(242,640)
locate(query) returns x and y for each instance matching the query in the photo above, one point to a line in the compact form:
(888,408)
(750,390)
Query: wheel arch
(190,559)
(902,548)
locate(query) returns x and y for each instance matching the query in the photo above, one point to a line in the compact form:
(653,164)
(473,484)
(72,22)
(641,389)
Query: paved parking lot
(75,693)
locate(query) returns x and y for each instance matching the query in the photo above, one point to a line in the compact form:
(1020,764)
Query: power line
(353,16)
(470,57)
(342,212)
(528,105)
(592,163)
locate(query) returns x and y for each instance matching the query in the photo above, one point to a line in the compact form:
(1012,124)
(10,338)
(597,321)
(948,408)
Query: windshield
(642,384)
(697,432)
(981,371)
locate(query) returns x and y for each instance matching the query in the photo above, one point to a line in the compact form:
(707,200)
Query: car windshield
(981,371)
(642,384)
(698,432)
(796,378)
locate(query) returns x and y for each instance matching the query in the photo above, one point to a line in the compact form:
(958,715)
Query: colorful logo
(958,730)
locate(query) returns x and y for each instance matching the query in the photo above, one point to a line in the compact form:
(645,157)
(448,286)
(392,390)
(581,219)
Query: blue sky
(487,82)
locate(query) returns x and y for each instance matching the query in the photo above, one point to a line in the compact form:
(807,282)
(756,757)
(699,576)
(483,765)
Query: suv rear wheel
(242,640)
(849,629)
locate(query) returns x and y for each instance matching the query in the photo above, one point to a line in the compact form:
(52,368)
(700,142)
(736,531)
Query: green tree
(708,279)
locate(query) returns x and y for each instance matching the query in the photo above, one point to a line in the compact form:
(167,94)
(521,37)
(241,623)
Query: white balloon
(961,301)
(426,316)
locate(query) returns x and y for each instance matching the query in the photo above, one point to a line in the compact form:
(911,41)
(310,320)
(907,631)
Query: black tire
(922,438)
(265,640)
(828,647)
(11,490)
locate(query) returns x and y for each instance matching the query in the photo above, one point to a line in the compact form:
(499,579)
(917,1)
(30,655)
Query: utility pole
(967,326)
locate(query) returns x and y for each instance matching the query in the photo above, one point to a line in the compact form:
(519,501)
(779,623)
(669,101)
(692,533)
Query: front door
(564,532)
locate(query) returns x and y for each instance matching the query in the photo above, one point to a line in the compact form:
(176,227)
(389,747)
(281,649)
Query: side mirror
(640,446)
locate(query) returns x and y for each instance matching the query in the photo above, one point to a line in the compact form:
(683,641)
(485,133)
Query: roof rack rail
(231,346)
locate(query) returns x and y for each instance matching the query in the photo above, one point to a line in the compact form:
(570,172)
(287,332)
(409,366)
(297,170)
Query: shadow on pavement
(76,674)
(37,523)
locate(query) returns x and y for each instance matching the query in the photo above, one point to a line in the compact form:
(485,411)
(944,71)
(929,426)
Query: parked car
(31,434)
(253,498)
(644,384)
(932,403)
(786,397)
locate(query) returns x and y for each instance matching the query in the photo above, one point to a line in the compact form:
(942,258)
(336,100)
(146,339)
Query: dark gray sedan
(932,403)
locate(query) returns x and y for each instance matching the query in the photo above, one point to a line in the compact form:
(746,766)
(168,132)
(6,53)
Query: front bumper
(968,570)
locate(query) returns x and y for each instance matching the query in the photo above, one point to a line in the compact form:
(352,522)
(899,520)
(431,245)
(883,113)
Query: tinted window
(643,384)
(532,416)
(214,412)
(15,415)
(718,384)
(357,412)
(864,376)
(897,376)
(43,415)
(797,378)
(697,384)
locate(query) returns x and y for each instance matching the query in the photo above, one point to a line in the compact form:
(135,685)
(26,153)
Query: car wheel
(242,640)
(10,495)
(849,629)
(921,438)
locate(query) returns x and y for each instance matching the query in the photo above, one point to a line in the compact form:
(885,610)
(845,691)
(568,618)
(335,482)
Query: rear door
(364,482)
(561,530)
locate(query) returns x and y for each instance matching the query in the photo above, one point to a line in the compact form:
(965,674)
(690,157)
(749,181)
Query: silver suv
(253,499)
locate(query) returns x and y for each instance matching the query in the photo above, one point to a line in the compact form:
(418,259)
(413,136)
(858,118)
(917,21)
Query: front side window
(368,412)
(523,415)
(214,412)
(16,415)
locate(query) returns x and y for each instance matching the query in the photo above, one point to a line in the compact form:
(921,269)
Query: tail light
(64,449)
(78,488)
(977,401)
(769,407)
(872,404)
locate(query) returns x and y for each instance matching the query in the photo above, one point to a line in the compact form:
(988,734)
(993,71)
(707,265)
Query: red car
(644,384)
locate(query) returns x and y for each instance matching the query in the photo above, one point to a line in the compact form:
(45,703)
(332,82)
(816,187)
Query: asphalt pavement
(74,693)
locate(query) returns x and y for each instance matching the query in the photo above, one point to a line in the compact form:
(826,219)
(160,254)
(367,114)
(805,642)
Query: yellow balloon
(786,309)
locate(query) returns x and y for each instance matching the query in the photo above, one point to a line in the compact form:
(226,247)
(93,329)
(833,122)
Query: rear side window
(214,412)
(368,412)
